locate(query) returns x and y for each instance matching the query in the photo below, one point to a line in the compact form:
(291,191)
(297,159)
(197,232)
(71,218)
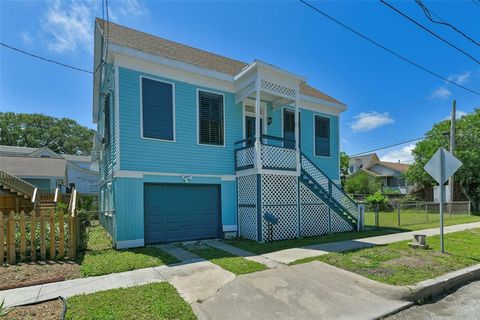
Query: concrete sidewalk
(289,255)
(195,280)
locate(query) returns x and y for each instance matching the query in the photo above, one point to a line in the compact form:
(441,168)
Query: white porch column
(258,131)
(297,132)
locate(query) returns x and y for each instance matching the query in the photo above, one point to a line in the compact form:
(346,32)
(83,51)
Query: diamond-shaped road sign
(442,165)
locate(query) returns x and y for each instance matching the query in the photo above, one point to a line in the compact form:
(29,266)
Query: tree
(344,164)
(361,183)
(467,149)
(37,130)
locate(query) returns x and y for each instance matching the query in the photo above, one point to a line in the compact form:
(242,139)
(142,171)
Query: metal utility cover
(449,165)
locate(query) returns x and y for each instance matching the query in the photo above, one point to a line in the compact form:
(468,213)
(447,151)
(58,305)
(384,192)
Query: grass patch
(398,264)
(225,260)
(101,259)
(151,301)
(261,248)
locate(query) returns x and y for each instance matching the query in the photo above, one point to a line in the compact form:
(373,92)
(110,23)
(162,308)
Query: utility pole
(452,148)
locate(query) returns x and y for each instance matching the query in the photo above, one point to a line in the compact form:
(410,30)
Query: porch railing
(276,153)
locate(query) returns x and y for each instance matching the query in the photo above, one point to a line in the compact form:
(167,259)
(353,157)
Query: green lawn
(261,248)
(151,301)
(100,258)
(398,264)
(225,260)
(416,220)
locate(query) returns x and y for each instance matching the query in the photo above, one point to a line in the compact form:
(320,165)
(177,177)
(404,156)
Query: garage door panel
(181,212)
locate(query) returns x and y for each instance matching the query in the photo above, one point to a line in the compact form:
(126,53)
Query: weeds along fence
(397,214)
(39,234)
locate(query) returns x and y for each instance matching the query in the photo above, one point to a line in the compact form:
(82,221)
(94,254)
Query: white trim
(252,171)
(329,135)
(171,71)
(290,108)
(323,102)
(141,108)
(117,115)
(245,113)
(229,228)
(130,243)
(141,174)
(269,67)
(198,119)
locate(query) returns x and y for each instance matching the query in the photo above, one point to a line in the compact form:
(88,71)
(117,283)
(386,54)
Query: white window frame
(198,119)
(173,106)
(245,114)
(329,135)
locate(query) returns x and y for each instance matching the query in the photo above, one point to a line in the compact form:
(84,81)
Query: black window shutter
(157,107)
(211,120)
(322,136)
(106,111)
(289,127)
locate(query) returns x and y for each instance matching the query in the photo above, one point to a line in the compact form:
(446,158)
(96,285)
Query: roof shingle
(176,51)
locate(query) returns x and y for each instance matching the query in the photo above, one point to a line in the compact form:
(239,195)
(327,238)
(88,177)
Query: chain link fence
(398,214)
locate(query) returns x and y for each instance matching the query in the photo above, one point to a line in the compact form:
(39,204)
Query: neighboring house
(47,169)
(390,174)
(194,145)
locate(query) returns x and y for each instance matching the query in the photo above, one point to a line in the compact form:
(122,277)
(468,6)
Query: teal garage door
(181,212)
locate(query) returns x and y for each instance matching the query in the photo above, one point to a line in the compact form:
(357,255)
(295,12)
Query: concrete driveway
(308,291)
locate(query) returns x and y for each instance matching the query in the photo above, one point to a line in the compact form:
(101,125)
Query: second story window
(210,118)
(322,136)
(157,110)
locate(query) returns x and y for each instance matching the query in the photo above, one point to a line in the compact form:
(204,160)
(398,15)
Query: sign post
(441,167)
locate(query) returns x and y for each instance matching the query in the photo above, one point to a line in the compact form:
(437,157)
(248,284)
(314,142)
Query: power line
(45,59)
(430,31)
(397,144)
(428,13)
(386,49)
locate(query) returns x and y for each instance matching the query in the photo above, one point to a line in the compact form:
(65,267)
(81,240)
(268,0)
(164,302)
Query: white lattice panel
(244,92)
(315,173)
(278,158)
(279,197)
(287,225)
(314,214)
(248,222)
(339,225)
(245,157)
(277,89)
(344,200)
(279,190)
(247,190)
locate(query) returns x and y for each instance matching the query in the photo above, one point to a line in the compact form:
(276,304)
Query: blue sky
(388,100)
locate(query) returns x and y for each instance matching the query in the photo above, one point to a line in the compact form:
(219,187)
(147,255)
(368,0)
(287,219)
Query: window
(157,109)
(210,118)
(289,128)
(106,112)
(322,136)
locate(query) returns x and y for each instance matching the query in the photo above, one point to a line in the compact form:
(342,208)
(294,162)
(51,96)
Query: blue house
(194,145)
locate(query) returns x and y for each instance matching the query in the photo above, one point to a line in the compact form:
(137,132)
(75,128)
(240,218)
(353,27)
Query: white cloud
(366,121)
(460,78)
(458,115)
(441,93)
(26,38)
(404,154)
(68,25)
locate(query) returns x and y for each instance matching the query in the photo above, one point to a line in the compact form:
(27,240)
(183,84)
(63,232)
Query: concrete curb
(428,289)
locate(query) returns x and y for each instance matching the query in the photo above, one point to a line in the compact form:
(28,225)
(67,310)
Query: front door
(250,129)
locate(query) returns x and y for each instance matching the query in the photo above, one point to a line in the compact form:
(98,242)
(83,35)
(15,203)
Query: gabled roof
(367,160)
(151,44)
(13,150)
(35,152)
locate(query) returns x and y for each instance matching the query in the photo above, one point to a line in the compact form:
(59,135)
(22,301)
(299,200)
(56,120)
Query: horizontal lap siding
(184,155)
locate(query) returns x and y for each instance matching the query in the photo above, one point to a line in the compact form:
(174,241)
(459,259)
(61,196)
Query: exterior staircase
(332,195)
(17,186)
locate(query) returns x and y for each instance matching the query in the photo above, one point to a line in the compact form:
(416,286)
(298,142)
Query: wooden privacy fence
(41,234)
